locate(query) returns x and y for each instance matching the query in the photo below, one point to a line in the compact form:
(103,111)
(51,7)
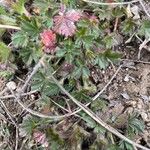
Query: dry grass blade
(113,3)
(9,27)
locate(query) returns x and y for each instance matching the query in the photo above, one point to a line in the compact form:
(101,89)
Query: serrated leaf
(89,121)
(64,23)
(128,26)
(2,10)
(5,19)
(4,52)
(135,125)
(42,4)
(31,27)
(20,39)
(125,146)
(102,62)
(50,89)
(19,7)
(145,28)
(108,40)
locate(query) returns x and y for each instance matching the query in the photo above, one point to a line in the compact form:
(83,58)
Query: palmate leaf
(102,60)
(89,121)
(42,4)
(145,28)
(5,19)
(82,96)
(31,27)
(2,10)
(19,7)
(128,26)
(135,125)
(4,52)
(125,146)
(29,123)
(42,84)
(20,39)
(64,22)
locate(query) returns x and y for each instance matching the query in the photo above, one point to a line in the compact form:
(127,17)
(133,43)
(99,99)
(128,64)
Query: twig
(143,6)
(142,46)
(9,27)
(60,106)
(8,113)
(119,3)
(129,40)
(17,139)
(116,24)
(14,123)
(105,87)
(55,117)
(12,96)
(138,61)
(96,118)
(35,69)
(69,108)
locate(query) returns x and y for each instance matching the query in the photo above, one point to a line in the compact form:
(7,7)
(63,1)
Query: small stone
(126,79)
(125,95)
(139,106)
(130,110)
(11,85)
(148,124)
(144,116)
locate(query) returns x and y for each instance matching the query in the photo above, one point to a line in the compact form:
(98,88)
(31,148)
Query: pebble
(11,85)
(144,116)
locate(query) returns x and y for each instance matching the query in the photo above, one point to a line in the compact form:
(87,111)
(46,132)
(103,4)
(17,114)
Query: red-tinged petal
(40,138)
(48,38)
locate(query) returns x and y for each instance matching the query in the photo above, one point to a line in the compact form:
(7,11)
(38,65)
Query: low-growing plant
(75,37)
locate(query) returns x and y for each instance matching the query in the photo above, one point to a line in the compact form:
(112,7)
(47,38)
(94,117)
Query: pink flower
(48,38)
(40,138)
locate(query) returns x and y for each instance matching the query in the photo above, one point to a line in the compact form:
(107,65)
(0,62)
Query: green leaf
(2,10)
(19,7)
(113,56)
(82,96)
(6,19)
(28,125)
(99,129)
(128,26)
(145,28)
(118,12)
(135,125)
(42,4)
(6,74)
(89,121)
(85,72)
(4,52)
(99,104)
(102,62)
(108,40)
(20,39)
(31,27)
(60,52)
(50,89)
(125,146)
(42,84)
